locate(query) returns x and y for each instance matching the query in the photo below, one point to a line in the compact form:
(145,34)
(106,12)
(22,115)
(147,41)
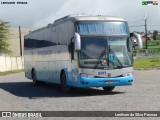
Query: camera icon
(6,114)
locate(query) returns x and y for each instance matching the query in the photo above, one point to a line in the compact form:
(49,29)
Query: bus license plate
(109,82)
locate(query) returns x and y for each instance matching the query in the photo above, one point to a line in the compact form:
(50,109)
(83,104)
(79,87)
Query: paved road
(17,93)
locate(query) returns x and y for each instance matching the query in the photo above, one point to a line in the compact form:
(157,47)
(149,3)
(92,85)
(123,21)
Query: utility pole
(20,41)
(145,19)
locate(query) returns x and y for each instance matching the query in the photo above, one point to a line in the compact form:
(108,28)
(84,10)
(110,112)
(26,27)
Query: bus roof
(81,17)
(84,17)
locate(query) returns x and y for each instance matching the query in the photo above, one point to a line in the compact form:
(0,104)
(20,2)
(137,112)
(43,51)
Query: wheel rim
(34,77)
(64,83)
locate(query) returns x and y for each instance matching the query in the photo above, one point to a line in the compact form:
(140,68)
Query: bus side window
(72,50)
(25,43)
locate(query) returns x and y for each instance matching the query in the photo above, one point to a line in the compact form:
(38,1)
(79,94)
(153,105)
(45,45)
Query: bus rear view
(99,50)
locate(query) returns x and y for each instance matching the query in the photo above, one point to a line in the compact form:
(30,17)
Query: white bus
(81,51)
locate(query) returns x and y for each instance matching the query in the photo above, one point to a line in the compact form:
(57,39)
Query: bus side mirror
(77,42)
(138,39)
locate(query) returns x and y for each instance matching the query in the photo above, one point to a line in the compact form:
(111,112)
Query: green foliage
(155,33)
(11,72)
(4,35)
(155,49)
(153,43)
(146,63)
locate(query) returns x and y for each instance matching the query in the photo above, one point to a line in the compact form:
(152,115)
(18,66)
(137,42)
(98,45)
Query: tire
(34,78)
(64,85)
(108,89)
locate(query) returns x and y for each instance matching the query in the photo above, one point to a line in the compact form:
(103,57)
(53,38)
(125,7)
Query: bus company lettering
(45,52)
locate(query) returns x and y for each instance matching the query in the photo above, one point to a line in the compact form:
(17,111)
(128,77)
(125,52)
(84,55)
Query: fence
(11,63)
(149,52)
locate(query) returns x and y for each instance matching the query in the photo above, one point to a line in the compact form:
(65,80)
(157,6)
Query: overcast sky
(38,13)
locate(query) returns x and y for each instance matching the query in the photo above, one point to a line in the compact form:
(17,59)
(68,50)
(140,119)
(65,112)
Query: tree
(4,36)
(155,33)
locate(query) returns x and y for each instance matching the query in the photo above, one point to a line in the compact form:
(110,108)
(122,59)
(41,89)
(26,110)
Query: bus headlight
(86,75)
(127,74)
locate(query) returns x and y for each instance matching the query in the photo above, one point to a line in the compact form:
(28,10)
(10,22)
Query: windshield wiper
(121,66)
(99,58)
(85,54)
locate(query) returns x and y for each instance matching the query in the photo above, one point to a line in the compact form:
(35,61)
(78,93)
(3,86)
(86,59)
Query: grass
(155,41)
(152,43)
(11,72)
(147,63)
(155,49)
(150,47)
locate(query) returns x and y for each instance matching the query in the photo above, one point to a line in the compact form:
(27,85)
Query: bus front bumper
(102,82)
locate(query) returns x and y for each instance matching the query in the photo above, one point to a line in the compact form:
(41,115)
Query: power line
(136,26)
(154,30)
(135,20)
(143,25)
(20,41)
(153,25)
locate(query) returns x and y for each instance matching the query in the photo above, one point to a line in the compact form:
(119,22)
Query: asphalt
(18,94)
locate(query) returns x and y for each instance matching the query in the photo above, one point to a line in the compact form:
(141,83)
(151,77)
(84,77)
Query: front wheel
(64,85)
(109,88)
(34,78)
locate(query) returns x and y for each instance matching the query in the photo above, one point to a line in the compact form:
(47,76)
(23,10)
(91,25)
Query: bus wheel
(34,78)
(64,85)
(108,89)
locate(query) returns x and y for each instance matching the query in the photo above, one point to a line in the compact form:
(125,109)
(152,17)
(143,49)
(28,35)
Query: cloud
(28,15)
(131,10)
(39,13)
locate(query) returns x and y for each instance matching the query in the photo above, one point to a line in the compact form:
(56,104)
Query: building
(14,40)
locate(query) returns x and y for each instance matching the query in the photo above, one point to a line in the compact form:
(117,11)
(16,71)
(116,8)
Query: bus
(81,51)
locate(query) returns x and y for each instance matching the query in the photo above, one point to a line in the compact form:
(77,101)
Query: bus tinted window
(103,28)
(33,43)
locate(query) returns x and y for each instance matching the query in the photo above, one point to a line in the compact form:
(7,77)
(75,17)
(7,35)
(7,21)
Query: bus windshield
(106,52)
(102,28)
